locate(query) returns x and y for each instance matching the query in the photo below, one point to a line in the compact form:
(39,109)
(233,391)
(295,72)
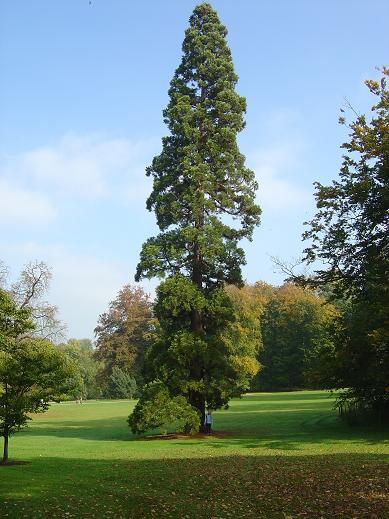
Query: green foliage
(14,320)
(200,174)
(350,233)
(120,384)
(156,408)
(28,292)
(297,329)
(32,370)
(243,335)
(204,201)
(122,333)
(188,362)
(358,409)
(81,352)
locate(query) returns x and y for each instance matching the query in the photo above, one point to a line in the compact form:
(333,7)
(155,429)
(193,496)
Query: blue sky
(82,89)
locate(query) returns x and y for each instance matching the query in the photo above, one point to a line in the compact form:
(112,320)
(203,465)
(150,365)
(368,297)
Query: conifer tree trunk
(197,400)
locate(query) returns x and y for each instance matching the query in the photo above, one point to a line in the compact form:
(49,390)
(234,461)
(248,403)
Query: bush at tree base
(157,409)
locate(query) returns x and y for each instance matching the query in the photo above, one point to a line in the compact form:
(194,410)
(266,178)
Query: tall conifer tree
(204,200)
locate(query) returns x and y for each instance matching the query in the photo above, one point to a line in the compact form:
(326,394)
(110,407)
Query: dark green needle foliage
(204,200)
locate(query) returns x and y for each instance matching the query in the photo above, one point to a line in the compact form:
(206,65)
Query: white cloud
(94,166)
(82,284)
(77,173)
(51,183)
(88,165)
(41,185)
(275,166)
(22,206)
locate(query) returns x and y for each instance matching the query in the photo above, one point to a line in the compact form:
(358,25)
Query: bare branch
(48,326)
(289,269)
(350,107)
(4,272)
(32,284)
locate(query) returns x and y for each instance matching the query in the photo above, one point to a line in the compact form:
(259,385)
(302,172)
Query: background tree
(244,334)
(204,200)
(350,234)
(81,352)
(14,321)
(297,328)
(32,370)
(28,291)
(120,384)
(122,333)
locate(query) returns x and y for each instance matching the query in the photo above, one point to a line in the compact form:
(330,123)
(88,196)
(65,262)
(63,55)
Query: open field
(272,456)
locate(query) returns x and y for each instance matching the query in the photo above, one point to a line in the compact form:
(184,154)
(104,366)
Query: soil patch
(182,436)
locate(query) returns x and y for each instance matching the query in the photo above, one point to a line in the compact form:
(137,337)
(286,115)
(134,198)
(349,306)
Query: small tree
(32,370)
(158,409)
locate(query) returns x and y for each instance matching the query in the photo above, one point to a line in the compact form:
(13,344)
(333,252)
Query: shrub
(157,408)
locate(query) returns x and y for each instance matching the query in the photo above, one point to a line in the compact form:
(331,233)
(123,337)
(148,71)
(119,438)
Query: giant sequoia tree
(204,200)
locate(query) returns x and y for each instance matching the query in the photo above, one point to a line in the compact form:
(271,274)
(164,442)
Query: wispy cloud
(279,164)
(24,206)
(90,166)
(37,185)
(275,168)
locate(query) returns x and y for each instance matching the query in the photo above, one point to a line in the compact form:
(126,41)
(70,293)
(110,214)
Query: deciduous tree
(122,332)
(82,353)
(32,370)
(244,334)
(350,234)
(297,339)
(28,291)
(120,384)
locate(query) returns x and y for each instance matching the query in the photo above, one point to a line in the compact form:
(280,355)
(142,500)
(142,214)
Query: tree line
(282,335)
(284,330)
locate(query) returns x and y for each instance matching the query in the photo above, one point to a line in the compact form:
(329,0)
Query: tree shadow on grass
(92,429)
(294,396)
(288,433)
(271,487)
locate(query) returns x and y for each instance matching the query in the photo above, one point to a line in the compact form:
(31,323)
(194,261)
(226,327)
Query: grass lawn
(272,456)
